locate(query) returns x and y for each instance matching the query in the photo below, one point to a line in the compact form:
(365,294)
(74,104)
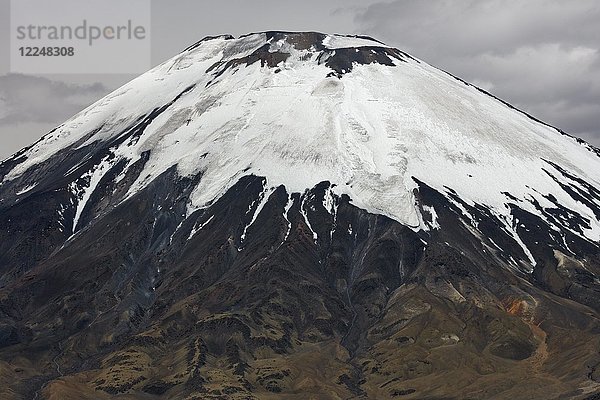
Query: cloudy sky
(542,56)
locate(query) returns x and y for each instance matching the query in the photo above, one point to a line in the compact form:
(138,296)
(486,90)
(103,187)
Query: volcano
(293,215)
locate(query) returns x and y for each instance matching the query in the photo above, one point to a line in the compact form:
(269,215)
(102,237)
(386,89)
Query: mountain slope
(287,215)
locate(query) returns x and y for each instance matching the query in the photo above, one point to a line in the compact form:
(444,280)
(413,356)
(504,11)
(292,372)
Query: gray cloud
(25,98)
(30,106)
(541,55)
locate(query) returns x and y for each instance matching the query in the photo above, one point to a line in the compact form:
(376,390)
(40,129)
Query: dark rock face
(341,61)
(143,301)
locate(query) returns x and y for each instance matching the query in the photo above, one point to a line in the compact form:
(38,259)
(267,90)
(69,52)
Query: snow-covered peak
(302,108)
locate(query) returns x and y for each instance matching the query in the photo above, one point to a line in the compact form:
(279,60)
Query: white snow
(263,199)
(434,218)
(329,202)
(339,42)
(84,192)
(369,133)
(513,232)
(26,189)
(305,216)
(286,212)
(198,228)
(331,205)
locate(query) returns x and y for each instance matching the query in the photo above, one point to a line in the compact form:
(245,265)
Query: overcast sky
(542,56)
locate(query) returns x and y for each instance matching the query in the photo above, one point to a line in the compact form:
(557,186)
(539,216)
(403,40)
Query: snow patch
(286,211)
(305,216)
(433,224)
(89,181)
(198,228)
(26,189)
(340,42)
(262,200)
